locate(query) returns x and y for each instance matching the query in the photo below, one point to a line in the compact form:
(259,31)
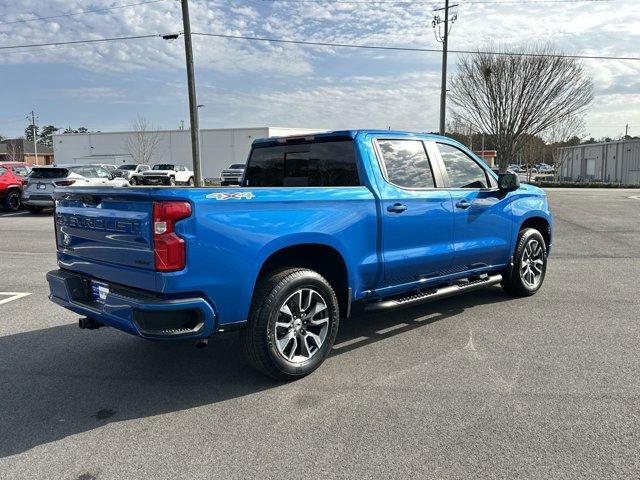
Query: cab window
(463,171)
(406,163)
(304,164)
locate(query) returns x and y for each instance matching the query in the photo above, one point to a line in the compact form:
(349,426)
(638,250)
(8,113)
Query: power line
(321,44)
(82,12)
(76,42)
(411,49)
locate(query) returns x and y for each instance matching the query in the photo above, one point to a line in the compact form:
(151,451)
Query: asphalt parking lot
(481,385)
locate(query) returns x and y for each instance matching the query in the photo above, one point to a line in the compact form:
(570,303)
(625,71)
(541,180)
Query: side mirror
(508,182)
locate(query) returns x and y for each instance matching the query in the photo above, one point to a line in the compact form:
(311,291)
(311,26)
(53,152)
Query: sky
(105,86)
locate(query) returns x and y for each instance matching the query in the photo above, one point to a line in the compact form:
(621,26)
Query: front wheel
(529,265)
(172,181)
(292,324)
(191,183)
(133,181)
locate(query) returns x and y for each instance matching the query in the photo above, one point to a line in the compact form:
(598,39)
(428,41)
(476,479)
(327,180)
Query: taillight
(64,183)
(168,247)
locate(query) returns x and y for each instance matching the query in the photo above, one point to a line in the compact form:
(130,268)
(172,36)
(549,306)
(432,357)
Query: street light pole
(193,104)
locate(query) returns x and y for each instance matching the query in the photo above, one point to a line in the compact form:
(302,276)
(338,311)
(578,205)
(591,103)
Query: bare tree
(512,95)
(567,131)
(143,142)
(14,151)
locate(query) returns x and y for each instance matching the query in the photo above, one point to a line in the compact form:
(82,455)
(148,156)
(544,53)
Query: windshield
(237,166)
(163,166)
(49,173)
(128,167)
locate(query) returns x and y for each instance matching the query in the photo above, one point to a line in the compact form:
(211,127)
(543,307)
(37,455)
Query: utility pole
(32,117)
(442,35)
(193,104)
(626,130)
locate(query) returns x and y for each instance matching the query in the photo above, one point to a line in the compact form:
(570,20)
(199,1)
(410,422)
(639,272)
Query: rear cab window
(326,163)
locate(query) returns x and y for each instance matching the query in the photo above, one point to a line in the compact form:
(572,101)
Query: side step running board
(433,294)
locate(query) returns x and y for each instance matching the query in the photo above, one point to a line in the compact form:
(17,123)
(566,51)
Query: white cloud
(294,86)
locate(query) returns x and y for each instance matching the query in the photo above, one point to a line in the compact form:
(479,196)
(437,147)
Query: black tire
(191,183)
(514,281)
(172,181)
(258,337)
(12,202)
(224,184)
(34,209)
(133,181)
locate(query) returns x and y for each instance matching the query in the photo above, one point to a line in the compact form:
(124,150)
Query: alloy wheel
(532,263)
(302,325)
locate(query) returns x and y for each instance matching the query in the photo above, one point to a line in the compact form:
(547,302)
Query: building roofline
(171,130)
(599,144)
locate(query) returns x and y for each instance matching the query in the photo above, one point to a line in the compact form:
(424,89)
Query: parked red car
(11,180)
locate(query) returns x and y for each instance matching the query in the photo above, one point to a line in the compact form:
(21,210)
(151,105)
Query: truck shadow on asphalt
(63,381)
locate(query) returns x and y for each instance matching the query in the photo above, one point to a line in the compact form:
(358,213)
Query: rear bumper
(38,200)
(134,311)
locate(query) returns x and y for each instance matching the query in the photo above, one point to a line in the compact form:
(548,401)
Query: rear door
(417,221)
(482,224)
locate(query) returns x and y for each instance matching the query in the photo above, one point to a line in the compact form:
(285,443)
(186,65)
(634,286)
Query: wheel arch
(539,223)
(323,258)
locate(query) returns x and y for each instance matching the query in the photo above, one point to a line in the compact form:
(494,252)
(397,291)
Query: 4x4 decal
(234,195)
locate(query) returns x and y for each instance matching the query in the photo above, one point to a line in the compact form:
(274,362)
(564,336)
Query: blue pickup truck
(320,223)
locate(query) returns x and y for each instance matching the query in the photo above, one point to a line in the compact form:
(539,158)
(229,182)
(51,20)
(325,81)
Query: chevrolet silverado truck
(321,224)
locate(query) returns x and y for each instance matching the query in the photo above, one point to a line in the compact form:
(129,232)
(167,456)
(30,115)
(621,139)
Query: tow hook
(201,344)
(89,323)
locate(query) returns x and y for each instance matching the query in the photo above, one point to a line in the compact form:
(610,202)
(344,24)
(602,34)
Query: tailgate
(105,226)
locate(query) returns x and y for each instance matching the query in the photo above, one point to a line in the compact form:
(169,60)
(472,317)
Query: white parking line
(13,296)
(391,328)
(13,214)
(350,342)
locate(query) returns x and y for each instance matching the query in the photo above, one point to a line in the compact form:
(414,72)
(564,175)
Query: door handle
(396,208)
(464,204)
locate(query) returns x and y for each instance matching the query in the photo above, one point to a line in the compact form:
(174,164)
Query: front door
(417,220)
(483,220)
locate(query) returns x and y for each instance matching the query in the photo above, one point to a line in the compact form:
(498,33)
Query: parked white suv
(167,174)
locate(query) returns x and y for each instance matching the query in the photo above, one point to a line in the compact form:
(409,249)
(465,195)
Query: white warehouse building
(219,147)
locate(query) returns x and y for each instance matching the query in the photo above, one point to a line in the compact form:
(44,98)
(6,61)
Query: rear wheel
(12,202)
(529,265)
(292,324)
(191,182)
(133,181)
(172,181)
